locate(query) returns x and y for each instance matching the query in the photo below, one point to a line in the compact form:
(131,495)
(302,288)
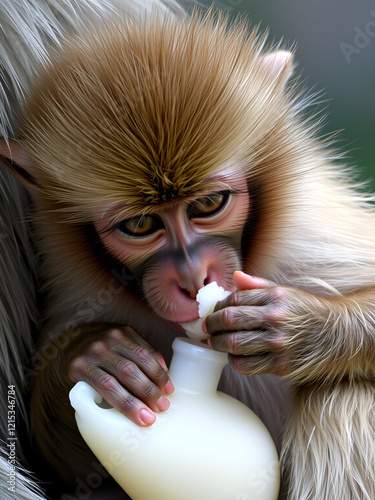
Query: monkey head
(167,137)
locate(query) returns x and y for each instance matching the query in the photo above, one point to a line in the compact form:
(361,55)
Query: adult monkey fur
(29,31)
(131,141)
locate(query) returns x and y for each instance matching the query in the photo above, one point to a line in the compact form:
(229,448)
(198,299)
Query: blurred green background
(335,52)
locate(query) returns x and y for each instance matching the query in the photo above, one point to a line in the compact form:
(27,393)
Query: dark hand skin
(127,372)
(247,324)
(268,328)
(117,362)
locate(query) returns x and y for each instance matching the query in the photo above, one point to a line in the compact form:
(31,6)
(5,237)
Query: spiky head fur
(146,113)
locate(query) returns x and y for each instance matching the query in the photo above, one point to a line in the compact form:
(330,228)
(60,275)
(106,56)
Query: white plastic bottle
(206,446)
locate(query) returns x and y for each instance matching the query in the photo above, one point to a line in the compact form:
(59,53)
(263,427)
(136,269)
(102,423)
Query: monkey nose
(191,274)
(191,291)
(192,286)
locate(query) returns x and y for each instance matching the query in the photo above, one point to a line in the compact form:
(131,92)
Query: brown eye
(208,205)
(140,226)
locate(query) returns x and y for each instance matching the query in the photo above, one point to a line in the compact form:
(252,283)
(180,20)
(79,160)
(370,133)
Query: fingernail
(169,387)
(204,328)
(146,416)
(161,361)
(163,404)
(209,343)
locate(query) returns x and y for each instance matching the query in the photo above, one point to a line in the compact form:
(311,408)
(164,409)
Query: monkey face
(177,249)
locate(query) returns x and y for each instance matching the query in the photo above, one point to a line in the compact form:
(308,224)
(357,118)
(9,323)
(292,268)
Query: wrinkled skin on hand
(127,372)
(267,328)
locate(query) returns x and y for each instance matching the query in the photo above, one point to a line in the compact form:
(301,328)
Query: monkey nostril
(191,289)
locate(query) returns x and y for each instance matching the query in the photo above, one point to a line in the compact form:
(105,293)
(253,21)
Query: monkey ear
(17,160)
(279,65)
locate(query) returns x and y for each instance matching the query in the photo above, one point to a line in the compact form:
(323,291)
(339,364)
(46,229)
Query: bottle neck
(195,368)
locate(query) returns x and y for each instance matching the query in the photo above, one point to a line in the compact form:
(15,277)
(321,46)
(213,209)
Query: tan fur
(329,442)
(144,113)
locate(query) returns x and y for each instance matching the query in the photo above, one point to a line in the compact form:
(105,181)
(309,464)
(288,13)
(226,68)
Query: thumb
(244,281)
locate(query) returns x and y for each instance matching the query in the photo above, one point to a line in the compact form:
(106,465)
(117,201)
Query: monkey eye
(208,205)
(143,225)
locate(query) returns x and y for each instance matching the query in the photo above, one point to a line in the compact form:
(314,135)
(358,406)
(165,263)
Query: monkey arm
(117,362)
(293,333)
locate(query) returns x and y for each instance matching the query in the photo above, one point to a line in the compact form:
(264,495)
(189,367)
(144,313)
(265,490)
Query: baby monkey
(163,155)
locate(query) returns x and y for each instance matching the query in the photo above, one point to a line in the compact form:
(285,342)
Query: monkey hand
(122,367)
(267,328)
(127,372)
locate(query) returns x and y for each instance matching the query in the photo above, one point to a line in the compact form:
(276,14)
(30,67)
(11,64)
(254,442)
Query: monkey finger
(235,319)
(256,297)
(121,399)
(246,343)
(141,341)
(159,358)
(140,352)
(117,336)
(244,281)
(258,364)
(139,384)
(110,367)
(150,366)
